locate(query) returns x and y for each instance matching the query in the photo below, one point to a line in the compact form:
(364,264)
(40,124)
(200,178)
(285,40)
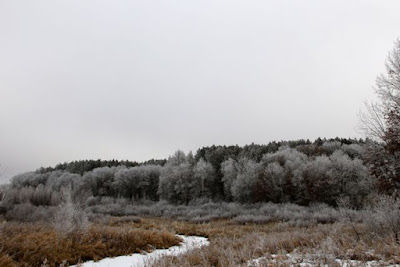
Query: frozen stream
(189,242)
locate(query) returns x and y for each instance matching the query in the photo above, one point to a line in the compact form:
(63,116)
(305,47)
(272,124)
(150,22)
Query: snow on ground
(146,259)
(311,260)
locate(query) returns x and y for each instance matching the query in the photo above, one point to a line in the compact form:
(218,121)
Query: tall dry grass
(234,245)
(31,245)
(231,244)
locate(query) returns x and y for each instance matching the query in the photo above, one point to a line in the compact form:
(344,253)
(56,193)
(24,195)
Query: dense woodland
(300,172)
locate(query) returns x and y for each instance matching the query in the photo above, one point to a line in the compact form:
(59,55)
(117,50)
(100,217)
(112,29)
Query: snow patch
(146,259)
(305,260)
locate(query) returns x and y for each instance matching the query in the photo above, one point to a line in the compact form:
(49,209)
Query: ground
(231,244)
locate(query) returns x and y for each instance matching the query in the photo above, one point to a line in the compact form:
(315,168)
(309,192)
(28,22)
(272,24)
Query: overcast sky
(139,79)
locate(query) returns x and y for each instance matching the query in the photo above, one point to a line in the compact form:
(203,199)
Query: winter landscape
(212,133)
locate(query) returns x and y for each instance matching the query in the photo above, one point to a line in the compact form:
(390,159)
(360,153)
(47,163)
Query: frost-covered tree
(101,180)
(230,169)
(166,187)
(150,175)
(271,186)
(289,182)
(330,147)
(204,175)
(177,159)
(137,182)
(177,179)
(245,185)
(64,180)
(317,181)
(183,182)
(128,183)
(28,179)
(338,176)
(351,178)
(216,155)
(353,150)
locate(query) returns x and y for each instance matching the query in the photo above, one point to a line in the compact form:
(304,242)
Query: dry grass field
(234,245)
(231,243)
(23,244)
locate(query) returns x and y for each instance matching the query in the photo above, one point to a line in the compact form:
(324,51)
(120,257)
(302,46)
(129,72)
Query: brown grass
(31,245)
(6,261)
(230,244)
(235,245)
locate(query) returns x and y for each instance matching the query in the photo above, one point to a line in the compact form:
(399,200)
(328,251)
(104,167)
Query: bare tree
(382,121)
(373,120)
(388,84)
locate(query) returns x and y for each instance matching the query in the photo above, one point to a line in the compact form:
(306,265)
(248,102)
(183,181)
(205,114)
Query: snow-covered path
(136,260)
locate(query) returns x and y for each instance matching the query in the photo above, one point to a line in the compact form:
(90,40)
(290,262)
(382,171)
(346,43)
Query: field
(232,242)
(34,244)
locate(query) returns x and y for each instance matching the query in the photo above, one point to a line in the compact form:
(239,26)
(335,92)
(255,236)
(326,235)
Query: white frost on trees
(177,179)
(204,175)
(229,169)
(69,218)
(243,187)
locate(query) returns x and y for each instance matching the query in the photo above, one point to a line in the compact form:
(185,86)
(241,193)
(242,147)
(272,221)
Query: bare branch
(372,121)
(388,84)
(3,195)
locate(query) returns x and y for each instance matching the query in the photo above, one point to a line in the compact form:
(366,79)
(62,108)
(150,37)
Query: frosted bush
(107,200)
(91,201)
(27,212)
(197,213)
(383,217)
(257,219)
(268,208)
(99,218)
(69,218)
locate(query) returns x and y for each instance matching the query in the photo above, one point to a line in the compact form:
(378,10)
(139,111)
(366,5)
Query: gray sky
(139,79)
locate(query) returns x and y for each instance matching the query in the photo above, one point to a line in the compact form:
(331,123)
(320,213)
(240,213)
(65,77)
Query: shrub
(69,218)
(29,213)
(257,219)
(102,219)
(383,217)
(91,201)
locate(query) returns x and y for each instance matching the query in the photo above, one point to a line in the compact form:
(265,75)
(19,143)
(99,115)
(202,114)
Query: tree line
(299,171)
